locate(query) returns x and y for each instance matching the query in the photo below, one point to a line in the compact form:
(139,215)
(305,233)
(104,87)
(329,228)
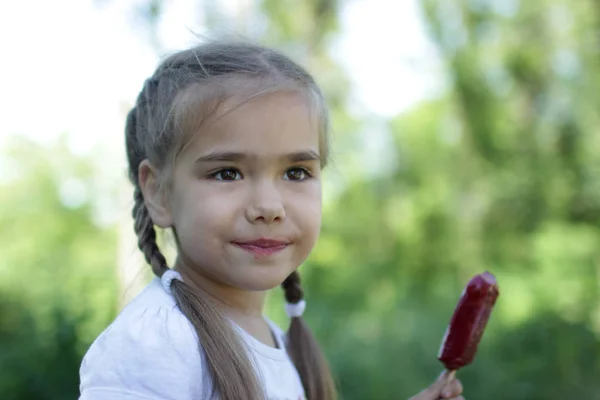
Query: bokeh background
(466,138)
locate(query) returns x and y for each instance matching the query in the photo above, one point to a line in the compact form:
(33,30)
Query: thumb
(434,391)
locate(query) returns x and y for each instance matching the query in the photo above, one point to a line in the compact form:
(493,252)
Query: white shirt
(150,352)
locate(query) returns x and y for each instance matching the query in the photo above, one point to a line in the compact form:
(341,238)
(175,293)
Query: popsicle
(468,322)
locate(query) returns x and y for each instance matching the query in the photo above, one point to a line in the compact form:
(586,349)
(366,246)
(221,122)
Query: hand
(442,388)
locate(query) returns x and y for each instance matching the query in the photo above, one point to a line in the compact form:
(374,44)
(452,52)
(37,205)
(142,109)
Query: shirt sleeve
(150,354)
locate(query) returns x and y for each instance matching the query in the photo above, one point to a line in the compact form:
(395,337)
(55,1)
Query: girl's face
(246,193)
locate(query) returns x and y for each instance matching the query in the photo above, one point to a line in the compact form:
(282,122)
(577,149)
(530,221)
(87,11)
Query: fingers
(452,389)
(445,387)
(434,391)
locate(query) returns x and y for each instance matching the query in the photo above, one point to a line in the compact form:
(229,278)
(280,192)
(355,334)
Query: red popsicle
(468,322)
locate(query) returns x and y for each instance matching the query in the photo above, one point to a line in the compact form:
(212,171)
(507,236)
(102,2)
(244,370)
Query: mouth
(262,247)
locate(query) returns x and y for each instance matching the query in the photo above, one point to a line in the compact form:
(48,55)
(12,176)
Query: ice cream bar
(468,322)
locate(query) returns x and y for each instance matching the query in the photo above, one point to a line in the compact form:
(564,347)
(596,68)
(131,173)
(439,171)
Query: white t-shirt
(150,352)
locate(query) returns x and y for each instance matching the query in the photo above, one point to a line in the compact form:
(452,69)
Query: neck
(234,302)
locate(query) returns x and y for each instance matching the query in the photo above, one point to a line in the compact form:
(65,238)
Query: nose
(265,204)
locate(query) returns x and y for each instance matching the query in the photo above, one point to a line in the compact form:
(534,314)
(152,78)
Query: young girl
(225,146)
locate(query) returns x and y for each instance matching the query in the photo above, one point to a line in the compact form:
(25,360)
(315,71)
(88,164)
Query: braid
(144,228)
(292,288)
(304,349)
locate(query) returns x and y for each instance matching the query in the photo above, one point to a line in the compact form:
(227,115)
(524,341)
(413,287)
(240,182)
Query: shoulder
(150,351)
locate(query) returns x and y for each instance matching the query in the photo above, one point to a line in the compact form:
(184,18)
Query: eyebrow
(299,156)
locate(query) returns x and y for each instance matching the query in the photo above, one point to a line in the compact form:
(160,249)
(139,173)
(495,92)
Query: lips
(262,247)
(262,242)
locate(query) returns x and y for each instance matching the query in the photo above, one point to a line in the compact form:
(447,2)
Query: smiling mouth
(262,247)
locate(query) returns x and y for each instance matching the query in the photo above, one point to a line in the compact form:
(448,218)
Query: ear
(153,197)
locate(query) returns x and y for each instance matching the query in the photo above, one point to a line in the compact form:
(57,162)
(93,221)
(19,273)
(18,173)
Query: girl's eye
(228,174)
(296,174)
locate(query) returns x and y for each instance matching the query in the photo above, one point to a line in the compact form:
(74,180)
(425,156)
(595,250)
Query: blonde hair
(185,89)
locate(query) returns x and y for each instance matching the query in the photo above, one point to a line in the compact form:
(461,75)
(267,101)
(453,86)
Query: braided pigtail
(143,226)
(303,347)
(144,229)
(230,368)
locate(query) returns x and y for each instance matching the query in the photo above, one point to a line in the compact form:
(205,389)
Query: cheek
(200,209)
(307,210)
(314,220)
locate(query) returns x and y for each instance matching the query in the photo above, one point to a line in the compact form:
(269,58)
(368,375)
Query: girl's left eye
(297,174)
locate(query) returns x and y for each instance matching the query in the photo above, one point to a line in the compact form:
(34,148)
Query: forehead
(267,125)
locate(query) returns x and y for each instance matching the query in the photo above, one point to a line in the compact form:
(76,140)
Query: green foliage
(38,362)
(493,176)
(57,271)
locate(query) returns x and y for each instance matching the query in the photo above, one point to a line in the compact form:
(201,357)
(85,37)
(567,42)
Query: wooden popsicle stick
(449,377)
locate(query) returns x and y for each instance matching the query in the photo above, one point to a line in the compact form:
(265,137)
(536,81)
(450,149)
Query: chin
(264,280)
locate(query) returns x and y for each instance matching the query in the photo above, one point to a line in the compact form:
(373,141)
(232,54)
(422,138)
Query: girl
(225,146)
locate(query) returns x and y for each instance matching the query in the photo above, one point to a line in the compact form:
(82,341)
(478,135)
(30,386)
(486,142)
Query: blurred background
(466,138)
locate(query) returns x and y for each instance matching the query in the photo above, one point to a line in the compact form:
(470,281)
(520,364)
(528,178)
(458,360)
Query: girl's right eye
(227,174)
